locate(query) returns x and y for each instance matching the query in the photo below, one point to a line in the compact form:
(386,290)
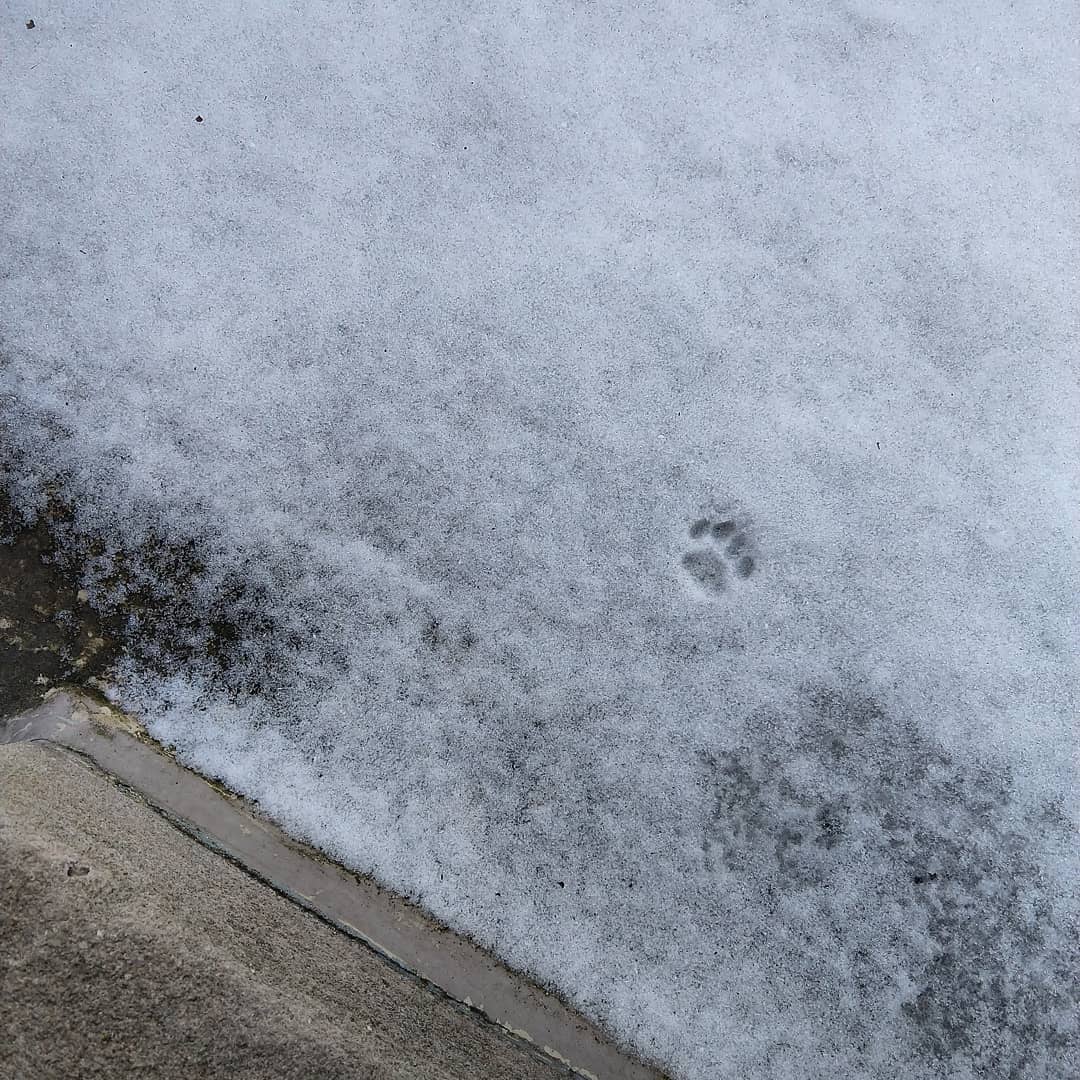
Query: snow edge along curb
(400,933)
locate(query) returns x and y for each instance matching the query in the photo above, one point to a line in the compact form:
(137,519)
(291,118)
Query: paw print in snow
(722,556)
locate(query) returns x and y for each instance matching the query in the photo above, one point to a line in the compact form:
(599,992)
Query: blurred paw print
(721,555)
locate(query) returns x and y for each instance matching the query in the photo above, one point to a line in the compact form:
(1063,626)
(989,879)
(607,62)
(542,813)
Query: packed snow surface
(636,445)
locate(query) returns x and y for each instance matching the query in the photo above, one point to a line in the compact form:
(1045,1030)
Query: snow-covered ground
(645,440)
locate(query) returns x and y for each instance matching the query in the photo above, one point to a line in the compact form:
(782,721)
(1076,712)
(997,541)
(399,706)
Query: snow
(474,350)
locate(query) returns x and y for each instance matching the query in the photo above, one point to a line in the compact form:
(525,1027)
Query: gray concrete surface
(127,949)
(359,907)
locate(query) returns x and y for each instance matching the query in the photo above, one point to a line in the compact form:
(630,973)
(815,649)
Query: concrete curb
(393,928)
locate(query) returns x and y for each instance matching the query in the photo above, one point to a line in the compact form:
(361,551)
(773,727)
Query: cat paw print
(722,556)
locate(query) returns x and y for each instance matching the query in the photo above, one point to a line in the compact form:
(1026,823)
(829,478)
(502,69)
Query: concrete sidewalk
(128,949)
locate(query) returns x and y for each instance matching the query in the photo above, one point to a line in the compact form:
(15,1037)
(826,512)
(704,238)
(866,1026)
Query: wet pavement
(49,634)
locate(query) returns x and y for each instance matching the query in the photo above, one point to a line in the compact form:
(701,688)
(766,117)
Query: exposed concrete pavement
(126,949)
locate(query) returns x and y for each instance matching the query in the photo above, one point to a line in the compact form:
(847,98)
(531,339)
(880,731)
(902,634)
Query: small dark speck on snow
(198,119)
(30,24)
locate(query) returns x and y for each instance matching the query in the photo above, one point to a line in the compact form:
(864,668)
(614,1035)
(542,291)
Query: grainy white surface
(477,348)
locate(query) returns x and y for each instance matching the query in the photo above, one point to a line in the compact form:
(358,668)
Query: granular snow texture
(633,450)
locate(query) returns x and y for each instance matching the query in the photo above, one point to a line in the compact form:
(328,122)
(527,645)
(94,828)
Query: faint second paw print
(721,556)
